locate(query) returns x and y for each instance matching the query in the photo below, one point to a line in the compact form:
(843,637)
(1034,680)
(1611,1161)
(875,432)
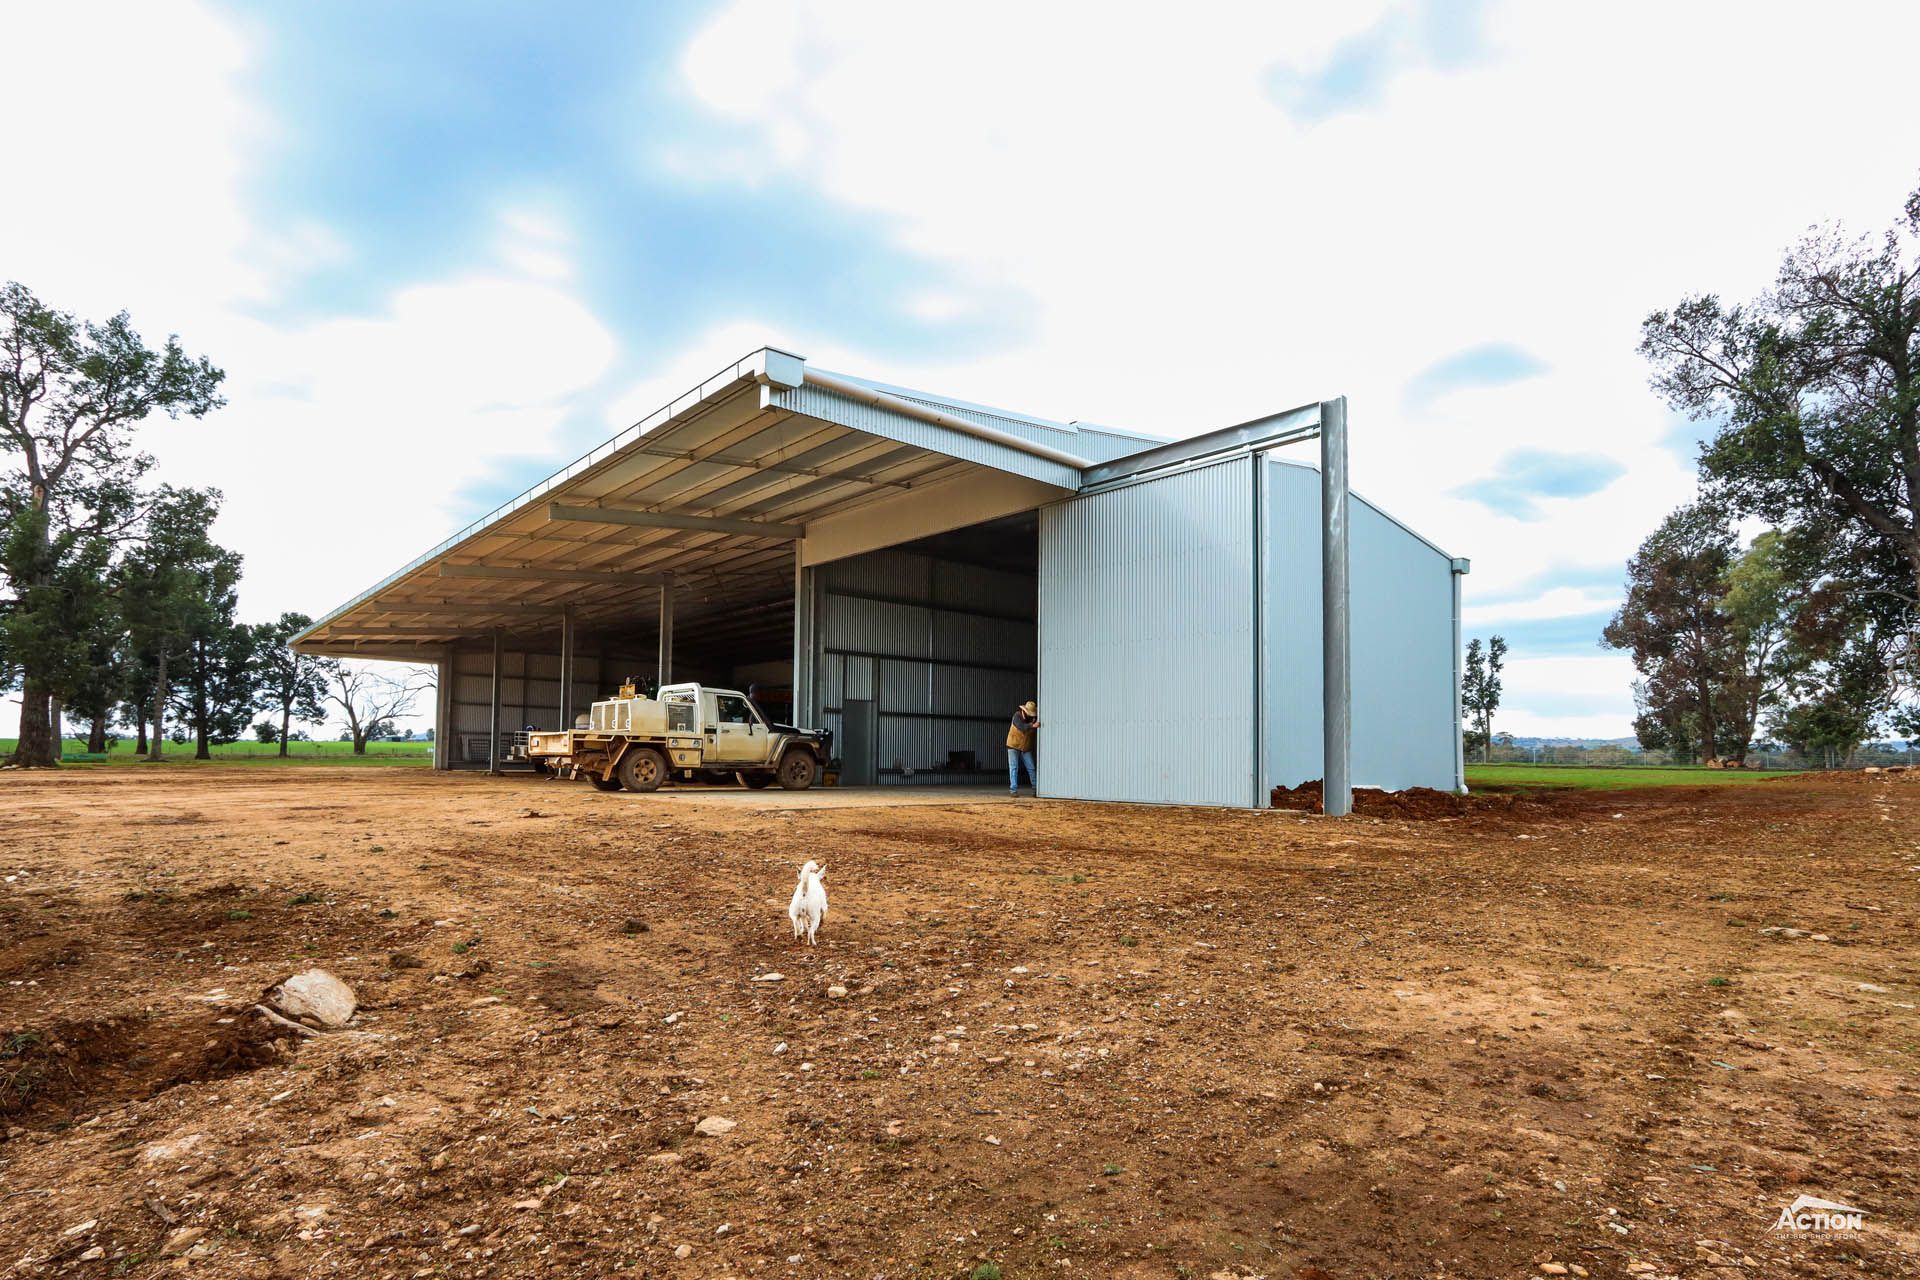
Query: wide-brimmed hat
(1029,708)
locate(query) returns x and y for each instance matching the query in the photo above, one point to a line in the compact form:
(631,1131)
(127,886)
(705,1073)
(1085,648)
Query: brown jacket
(1020,733)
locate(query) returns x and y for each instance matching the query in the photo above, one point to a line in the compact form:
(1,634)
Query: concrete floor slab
(821,797)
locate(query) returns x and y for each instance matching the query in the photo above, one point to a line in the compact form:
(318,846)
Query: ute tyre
(603,784)
(641,769)
(541,767)
(758,781)
(798,770)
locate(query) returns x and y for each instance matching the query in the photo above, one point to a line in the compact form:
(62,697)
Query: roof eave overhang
(893,444)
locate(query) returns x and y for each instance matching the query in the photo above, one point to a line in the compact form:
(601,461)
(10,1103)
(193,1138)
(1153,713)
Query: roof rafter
(561,512)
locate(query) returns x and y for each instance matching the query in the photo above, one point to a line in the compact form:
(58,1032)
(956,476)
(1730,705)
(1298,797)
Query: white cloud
(1556,602)
(706,354)
(346,442)
(1192,256)
(347,439)
(131,143)
(535,245)
(1567,697)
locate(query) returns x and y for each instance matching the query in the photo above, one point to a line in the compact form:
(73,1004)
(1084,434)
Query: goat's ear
(821,872)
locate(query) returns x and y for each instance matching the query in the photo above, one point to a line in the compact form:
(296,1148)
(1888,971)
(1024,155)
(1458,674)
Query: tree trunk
(140,737)
(36,748)
(286,722)
(1709,750)
(359,743)
(159,708)
(97,735)
(200,677)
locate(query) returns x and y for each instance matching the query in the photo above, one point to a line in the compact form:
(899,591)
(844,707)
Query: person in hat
(1020,739)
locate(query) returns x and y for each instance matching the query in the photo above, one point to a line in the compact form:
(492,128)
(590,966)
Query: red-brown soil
(1077,1040)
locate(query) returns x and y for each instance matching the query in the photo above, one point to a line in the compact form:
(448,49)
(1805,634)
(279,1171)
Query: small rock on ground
(316,996)
(183,1239)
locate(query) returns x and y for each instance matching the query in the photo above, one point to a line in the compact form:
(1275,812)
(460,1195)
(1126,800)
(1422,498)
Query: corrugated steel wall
(944,650)
(1402,627)
(1290,680)
(1147,640)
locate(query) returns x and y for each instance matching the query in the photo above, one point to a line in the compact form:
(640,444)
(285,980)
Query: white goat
(809,905)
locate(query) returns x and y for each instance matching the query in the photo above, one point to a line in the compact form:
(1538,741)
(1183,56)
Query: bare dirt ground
(1537,1037)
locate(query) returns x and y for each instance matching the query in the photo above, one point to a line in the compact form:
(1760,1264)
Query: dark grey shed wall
(944,652)
(529,692)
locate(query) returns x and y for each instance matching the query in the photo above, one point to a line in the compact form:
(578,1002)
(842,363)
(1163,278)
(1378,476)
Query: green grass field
(1481,776)
(254,753)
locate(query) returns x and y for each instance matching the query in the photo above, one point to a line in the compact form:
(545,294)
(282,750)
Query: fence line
(1612,757)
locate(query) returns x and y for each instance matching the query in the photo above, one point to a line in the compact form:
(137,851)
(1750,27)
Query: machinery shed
(904,569)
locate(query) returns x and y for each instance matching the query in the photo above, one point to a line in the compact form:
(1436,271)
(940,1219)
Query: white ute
(688,730)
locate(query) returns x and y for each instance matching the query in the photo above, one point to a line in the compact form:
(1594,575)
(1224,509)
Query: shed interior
(920,652)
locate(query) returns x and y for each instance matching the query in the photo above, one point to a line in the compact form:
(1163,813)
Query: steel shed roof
(707,491)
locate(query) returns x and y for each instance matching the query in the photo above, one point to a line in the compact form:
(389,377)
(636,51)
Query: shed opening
(920,652)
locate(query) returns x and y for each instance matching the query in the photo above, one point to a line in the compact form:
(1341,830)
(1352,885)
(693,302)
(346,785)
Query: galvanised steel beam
(1336,713)
(559,511)
(665,648)
(493,716)
(1289,426)
(520,573)
(566,668)
(477,609)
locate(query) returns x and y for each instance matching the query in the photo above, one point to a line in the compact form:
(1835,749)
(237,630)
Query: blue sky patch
(1528,474)
(1684,436)
(1493,364)
(1575,635)
(1442,34)
(1603,574)
(411,131)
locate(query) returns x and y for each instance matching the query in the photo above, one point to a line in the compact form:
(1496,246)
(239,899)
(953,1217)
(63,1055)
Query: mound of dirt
(1415,803)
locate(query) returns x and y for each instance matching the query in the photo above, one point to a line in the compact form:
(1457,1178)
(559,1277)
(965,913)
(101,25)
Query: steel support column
(493,712)
(1460,567)
(1336,768)
(666,636)
(566,668)
(443,740)
(802,710)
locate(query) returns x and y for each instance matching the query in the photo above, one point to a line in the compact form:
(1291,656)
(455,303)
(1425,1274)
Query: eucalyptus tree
(1813,393)
(293,683)
(71,396)
(177,595)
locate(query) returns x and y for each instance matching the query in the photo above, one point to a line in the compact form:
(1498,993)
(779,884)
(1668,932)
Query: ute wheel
(541,767)
(797,769)
(603,784)
(758,781)
(641,769)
